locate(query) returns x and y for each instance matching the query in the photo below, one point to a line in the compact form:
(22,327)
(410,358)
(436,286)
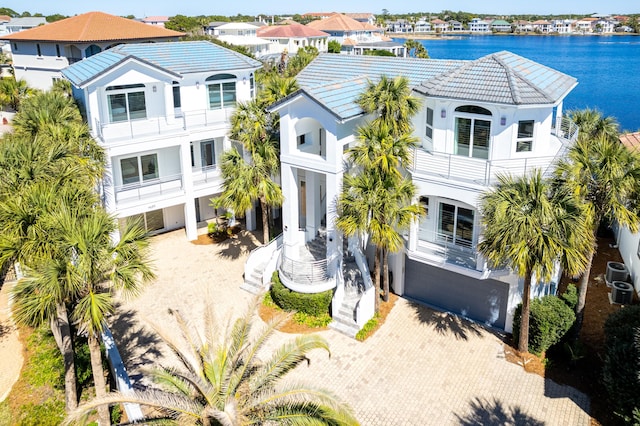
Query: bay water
(607,66)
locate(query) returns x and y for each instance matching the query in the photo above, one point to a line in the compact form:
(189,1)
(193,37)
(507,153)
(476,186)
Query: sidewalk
(10,346)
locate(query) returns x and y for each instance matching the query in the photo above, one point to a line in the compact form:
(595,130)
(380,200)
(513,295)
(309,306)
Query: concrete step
(253,287)
(347,329)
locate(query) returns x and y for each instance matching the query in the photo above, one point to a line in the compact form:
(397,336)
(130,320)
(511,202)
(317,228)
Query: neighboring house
(542,26)
(4,20)
(365,18)
(212,28)
(456,26)
(399,26)
(523,26)
(422,26)
(501,113)
(20,24)
(236,29)
(500,26)
(161,112)
(629,243)
(354,36)
(318,15)
(477,25)
(440,26)
(155,20)
(586,25)
(293,37)
(39,54)
(604,26)
(563,26)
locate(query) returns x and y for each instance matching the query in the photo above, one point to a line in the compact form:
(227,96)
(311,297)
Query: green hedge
(621,369)
(312,304)
(549,320)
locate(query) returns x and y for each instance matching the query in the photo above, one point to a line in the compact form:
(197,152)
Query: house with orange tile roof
(39,54)
(293,37)
(356,37)
(628,242)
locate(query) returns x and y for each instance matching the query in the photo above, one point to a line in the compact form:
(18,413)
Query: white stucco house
(161,112)
(39,54)
(501,113)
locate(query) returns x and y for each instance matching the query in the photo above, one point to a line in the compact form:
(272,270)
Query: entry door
(455,225)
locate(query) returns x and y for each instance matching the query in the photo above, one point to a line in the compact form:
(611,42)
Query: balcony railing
(305,272)
(160,125)
(164,185)
(439,245)
(204,175)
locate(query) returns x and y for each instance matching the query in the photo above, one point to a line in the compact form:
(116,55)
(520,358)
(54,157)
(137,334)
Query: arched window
(222,91)
(472,134)
(92,50)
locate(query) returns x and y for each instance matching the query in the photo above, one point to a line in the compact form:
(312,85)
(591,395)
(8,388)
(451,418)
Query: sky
(142,8)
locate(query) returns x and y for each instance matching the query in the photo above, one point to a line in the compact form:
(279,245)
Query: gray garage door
(484,301)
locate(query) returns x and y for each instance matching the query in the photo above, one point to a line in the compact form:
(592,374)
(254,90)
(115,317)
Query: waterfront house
(477,25)
(563,26)
(586,25)
(440,26)
(498,114)
(542,26)
(523,26)
(399,26)
(365,18)
(422,26)
(39,54)
(293,37)
(628,242)
(500,26)
(161,112)
(456,26)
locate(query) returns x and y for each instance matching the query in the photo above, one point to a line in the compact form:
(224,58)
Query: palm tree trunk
(62,334)
(385,274)
(582,295)
(98,378)
(265,221)
(523,341)
(376,278)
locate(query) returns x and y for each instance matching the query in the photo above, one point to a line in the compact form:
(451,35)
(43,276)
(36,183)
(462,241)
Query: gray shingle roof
(176,58)
(503,78)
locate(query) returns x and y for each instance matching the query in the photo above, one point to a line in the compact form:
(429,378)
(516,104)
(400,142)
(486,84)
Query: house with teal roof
(161,112)
(501,113)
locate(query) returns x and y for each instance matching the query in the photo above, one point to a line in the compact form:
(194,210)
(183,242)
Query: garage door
(484,301)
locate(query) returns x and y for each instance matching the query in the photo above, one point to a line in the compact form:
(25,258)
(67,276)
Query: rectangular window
(207,154)
(301,139)
(215,98)
(58,50)
(429,127)
(38,49)
(177,102)
(130,171)
(149,166)
(525,136)
(222,95)
(127,106)
(15,47)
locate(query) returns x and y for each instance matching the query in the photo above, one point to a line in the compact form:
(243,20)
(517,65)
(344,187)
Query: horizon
(143,8)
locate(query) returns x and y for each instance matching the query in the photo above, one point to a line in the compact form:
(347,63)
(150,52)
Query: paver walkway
(11,358)
(421,368)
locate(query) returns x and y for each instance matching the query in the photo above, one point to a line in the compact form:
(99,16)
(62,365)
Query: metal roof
(503,78)
(176,58)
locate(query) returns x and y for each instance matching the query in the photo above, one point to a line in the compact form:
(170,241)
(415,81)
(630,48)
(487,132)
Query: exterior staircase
(253,281)
(344,320)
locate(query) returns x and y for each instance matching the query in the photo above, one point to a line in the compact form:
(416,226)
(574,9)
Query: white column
(334,236)
(167,88)
(190,222)
(313,203)
(290,205)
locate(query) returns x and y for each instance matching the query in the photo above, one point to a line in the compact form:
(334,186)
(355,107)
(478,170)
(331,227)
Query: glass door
(455,225)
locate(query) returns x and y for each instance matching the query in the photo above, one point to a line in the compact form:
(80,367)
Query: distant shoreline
(452,35)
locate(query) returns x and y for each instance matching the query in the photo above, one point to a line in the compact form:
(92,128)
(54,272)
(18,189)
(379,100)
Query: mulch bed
(585,374)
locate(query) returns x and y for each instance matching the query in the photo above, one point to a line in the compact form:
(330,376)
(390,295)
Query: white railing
(161,124)
(366,306)
(207,174)
(304,271)
(442,246)
(152,188)
(262,256)
(485,172)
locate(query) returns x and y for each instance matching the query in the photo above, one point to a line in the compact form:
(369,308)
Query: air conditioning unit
(616,271)
(621,293)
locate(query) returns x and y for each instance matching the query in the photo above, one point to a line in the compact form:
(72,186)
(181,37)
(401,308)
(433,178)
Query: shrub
(315,304)
(570,296)
(368,328)
(549,320)
(621,369)
(312,321)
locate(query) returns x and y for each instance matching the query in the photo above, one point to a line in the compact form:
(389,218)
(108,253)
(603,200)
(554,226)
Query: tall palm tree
(391,102)
(246,182)
(224,382)
(276,87)
(45,109)
(530,228)
(13,92)
(605,176)
(95,269)
(592,124)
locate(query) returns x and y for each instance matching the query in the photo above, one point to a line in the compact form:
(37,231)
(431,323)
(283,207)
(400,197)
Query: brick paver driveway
(421,368)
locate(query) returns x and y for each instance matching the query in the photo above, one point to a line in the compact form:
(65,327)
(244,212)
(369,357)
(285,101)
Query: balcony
(204,176)
(162,187)
(190,120)
(441,248)
(485,172)
(306,269)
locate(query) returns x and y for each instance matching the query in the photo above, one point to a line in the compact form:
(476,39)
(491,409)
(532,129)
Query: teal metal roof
(503,78)
(176,58)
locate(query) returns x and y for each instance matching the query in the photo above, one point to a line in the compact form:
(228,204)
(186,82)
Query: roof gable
(292,30)
(339,22)
(94,27)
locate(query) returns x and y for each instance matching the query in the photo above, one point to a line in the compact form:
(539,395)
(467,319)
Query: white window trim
(208,84)
(125,91)
(532,138)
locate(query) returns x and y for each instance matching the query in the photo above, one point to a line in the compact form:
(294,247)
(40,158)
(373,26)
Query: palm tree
(276,87)
(605,176)
(592,123)
(244,182)
(391,102)
(13,92)
(224,382)
(530,228)
(43,110)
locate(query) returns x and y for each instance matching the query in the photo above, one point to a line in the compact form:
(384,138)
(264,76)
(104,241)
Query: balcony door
(455,225)
(473,132)
(208,155)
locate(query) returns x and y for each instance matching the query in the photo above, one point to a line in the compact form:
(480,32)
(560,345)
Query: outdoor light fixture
(443,113)
(197,84)
(503,120)
(155,89)
(244,80)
